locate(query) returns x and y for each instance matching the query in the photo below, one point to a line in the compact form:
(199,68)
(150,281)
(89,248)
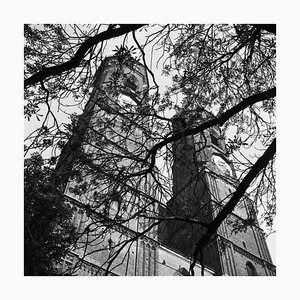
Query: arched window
(182,272)
(250,269)
(131,83)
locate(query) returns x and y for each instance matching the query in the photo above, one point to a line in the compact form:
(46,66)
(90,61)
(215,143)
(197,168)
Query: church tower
(203,181)
(108,212)
(110,146)
(110,231)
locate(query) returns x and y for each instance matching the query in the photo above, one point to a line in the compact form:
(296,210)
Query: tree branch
(217,121)
(268,27)
(260,164)
(83,49)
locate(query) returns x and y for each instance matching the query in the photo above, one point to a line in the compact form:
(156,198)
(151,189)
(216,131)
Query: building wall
(213,184)
(195,196)
(169,262)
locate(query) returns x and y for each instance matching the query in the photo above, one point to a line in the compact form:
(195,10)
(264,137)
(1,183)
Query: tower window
(110,244)
(131,83)
(214,140)
(244,244)
(250,269)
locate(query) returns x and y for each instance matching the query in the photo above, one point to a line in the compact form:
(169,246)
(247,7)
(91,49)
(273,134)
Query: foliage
(122,147)
(216,67)
(48,231)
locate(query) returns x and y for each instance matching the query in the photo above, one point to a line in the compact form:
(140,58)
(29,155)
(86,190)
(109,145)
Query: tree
(226,69)
(48,231)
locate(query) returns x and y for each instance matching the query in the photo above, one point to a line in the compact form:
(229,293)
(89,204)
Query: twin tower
(110,219)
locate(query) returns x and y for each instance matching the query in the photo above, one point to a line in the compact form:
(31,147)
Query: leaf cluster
(48,231)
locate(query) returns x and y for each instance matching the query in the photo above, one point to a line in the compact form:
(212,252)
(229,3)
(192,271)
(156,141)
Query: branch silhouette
(217,121)
(83,49)
(260,164)
(268,27)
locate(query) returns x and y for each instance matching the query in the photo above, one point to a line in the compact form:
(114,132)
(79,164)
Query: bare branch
(217,121)
(83,49)
(260,164)
(268,27)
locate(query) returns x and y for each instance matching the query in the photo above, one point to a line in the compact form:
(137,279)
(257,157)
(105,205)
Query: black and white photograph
(149,149)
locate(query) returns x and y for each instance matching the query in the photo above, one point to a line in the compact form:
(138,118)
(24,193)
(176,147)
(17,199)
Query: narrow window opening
(250,269)
(111,245)
(244,244)
(214,140)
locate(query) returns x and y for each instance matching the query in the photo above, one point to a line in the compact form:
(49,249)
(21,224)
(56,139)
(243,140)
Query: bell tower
(109,139)
(203,181)
(110,207)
